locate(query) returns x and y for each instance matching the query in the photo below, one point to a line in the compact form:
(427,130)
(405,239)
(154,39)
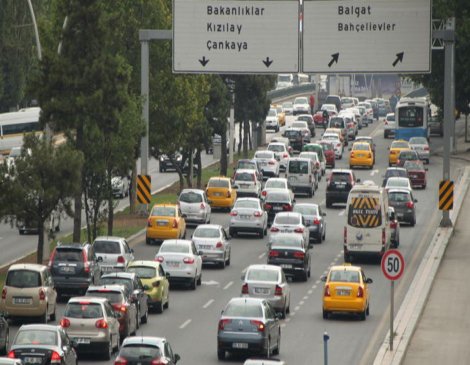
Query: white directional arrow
(373,172)
(210,282)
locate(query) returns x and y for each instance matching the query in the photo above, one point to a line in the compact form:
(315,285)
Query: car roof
(247,300)
(306,205)
(244,199)
(123,274)
(151,263)
(363,138)
(110,238)
(300,158)
(31,267)
(176,241)
(276,144)
(112,287)
(264,267)
(248,171)
(199,191)
(288,214)
(391,178)
(219,178)
(276,179)
(216,226)
(345,267)
(395,168)
(341,171)
(46,327)
(147,340)
(88,299)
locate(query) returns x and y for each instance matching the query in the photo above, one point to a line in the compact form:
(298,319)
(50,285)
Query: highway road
(190,324)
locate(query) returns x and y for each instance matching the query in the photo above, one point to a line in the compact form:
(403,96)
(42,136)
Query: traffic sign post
(231,37)
(363,36)
(392,265)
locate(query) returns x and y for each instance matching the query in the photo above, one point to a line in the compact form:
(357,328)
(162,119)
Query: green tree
(40,181)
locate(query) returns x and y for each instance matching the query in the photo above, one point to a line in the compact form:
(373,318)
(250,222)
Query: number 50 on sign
(393,264)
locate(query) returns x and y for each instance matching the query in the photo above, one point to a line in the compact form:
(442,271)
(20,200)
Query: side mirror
(74,344)
(323,278)
(200,253)
(99,259)
(167,275)
(358,180)
(184,216)
(235,187)
(415,200)
(323,214)
(369,281)
(177,358)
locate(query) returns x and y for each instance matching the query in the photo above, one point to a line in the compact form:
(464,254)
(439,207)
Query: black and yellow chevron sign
(144,184)
(365,212)
(446,195)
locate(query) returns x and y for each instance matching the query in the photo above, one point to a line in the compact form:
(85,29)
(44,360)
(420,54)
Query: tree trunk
(198,162)
(223,151)
(77,216)
(39,258)
(246,127)
(240,139)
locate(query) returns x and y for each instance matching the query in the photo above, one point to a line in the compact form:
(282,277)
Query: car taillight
(285,155)
(120,308)
(158,361)
(345,235)
(4,293)
(259,325)
(369,155)
(426,148)
(287,207)
(223,323)
(202,206)
(64,323)
(385,121)
(272,162)
(245,288)
(278,290)
(229,194)
(267,206)
(120,260)
(316,221)
(326,292)
(149,222)
(52,258)
(101,323)
(56,358)
(219,245)
(159,258)
(393,224)
(274,229)
(120,361)
(188,260)
(258,213)
(233,213)
(273,253)
(338,144)
(299,255)
(11,355)
(360,292)
(351,155)
(299,230)
(175,223)
(410,205)
(86,264)
(42,294)
(264,193)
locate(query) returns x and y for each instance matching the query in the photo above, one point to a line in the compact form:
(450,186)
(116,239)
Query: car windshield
(243,310)
(112,296)
(399,196)
(111,247)
(306,209)
(218,183)
(174,248)
(143,272)
(339,177)
(36,337)
(68,254)
(23,279)
(83,310)
(276,147)
(207,232)
(274,196)
(164,212)
(140,352)
(408,155)
(275,184)
(127,282)
(272,113)
(298,167)
(244,176)
(264,155)
(344,276)
(400,144)
(190,197)
(360,147)
(390,118)
(246,204)
(418,140)
(262,275)
(337,122)
(287,219)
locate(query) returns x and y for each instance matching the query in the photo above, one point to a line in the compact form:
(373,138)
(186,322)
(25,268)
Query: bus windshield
(410,117)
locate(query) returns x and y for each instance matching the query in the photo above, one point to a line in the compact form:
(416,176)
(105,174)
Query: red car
(318,118)
(407,155)
(329,152)
(416,173)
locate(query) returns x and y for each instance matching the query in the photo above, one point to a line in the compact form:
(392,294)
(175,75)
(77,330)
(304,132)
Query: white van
(300,174)
(367,229)
(284,80)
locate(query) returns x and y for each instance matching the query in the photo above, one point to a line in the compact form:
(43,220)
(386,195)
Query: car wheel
(53,316)
(108,351)
(145,317)
(221,354)
(413,222)
(277,350)
(148,241)
(348,258)
(193,284)
(138,318)
(229,257)
(167,304)
(304,276)
(326,315)
(184,234)
(362,315)
(261,233)
(159,307)
(328,203)
(199,280)
(3,351)
(284,312)
(222,264)
(367,309)
(268,348)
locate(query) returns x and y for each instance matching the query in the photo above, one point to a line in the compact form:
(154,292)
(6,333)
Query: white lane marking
(208,303)
(342,212)
(301,303)
(229,284)
(185,323)
(292,314)
(262,255)
(297,308)
(314,287)
(306,297)
(283,325)
(332,263)
(210,282)
(310,291)
(373,172)
(244,270)
(339,255)
(287,319)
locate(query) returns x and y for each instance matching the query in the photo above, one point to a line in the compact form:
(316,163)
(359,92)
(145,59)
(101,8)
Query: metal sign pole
(326,337)
(392,285)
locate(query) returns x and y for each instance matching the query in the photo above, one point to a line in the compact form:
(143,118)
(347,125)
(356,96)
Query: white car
(112,253)
(301,105)
(396,182)
(272,120)
(289,222)
(120,186)
(389,125)
(268,163)
(369,115)
(281,152)
(276,183)
(182,261)
(303,126)
(334,139)
(330,108)
(421,146)
(194,204)
(288,108)
(246,182)
(212,241)
(347,102)
(248,215)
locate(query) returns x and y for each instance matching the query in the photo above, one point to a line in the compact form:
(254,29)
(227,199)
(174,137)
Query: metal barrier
(291,91)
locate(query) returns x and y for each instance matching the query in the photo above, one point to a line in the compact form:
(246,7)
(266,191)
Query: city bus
(412,116)
(14,125)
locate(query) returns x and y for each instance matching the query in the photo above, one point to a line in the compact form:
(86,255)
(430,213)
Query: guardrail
(291,91)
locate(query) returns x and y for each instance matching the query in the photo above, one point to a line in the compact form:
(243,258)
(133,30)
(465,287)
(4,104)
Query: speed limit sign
(393,264)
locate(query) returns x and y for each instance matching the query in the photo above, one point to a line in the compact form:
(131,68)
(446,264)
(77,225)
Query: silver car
(248,325)
(112,253)
(280,152)
(246,182)
(120,186)
(289,222)
(268,163)
(248,215)
(421,146)
(276,183)
(270,283)
(212,242)
(195,205)
(314,219)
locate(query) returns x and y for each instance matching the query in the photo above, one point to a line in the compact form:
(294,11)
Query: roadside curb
(407,318)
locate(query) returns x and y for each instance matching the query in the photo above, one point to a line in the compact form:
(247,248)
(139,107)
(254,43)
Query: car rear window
(246,165)
(175,248)
(344,276)
(287,219)
(264,155)
(111,247)
(218,183)
(413,165)
(364,211)
(305,118)
(306,209)
(395,173)
(276,147)
(298,167)
(190,197)
(68,254)
(243,310)
(127,282)
(83,310)
(36,337)
(408,155)
(292,134)
(262,275)
(164,212)
(23,279)
(398,196)
(244,176)
(340,177)
(140,352)
(112,296)
(143,272)
(290,240)
(360,147)
(337,122)
(206,232)
(246,204)
(274,196)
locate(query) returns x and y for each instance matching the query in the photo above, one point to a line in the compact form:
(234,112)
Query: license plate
(360,155)
(277,208)
(173,264)
(22,300)
(400,215)
(84,341)
(245,216)
(263,164)
(244,185)
(292,178)
(205,247)
(239,345)
(162,223)
(33,360)
(414,176)
(217,194)
(68,269)
(343,292)
(286,266)
(340,186)
(261,291)
(107,268)
(355,246)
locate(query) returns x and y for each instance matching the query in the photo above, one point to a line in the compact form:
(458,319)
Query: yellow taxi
(220,192)
(281,115)
(395,148)
(361,155)
(165,222)
(155,283)
(346,290)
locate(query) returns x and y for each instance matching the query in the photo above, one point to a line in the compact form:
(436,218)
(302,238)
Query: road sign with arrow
(230,36)
(373,36)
